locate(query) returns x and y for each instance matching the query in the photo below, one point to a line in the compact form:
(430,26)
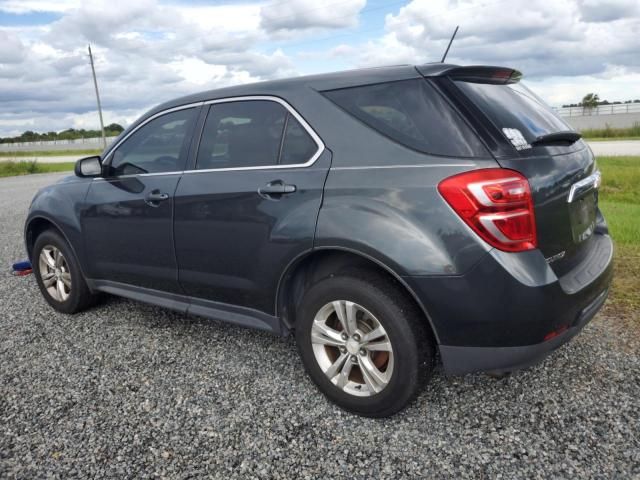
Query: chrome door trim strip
(428,165)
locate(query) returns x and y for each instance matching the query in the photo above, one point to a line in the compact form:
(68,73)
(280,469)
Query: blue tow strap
(21,268)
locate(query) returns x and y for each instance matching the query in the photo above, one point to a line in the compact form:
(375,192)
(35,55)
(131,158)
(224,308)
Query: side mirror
(88,167)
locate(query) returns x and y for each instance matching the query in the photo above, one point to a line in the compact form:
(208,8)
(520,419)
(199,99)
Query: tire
(76,295)
(374,299)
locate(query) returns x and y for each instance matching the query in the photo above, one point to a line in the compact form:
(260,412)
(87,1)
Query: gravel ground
(129,390)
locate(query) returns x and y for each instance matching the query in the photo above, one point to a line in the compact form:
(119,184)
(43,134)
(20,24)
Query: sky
(150,51)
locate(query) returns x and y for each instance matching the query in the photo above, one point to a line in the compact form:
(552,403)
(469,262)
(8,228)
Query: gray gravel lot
(129,390)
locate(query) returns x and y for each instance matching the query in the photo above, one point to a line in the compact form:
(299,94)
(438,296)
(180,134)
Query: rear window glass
(514,106)
(412,113)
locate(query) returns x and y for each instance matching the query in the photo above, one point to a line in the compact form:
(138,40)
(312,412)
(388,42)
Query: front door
(250,204)
(128,216)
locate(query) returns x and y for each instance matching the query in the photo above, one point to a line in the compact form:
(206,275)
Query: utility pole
(450,42)
(95,84)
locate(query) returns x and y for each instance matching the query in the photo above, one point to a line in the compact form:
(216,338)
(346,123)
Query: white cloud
(28,6)
(565,38)
(149,51)
(12,50)
(145,53)
(295,15)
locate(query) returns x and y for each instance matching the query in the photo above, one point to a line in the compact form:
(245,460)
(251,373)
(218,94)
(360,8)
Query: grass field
(620,203)
(605,139)
(50,153)
(609,133)
(10,169)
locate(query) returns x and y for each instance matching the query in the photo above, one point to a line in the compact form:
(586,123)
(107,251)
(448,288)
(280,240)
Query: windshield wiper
(567,137)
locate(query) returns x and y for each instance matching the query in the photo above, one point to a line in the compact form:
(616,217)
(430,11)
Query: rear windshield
(412,113)
(514,106)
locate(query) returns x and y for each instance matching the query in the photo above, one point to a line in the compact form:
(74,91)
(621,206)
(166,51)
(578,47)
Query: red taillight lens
(496,203)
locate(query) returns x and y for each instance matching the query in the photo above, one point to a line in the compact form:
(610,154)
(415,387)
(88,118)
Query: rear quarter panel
(396,215)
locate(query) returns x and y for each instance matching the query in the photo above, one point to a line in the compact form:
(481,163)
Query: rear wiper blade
(567,137)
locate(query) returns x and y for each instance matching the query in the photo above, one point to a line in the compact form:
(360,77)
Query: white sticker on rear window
(516,138)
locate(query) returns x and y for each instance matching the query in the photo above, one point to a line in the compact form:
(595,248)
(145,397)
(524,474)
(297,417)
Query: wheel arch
(34,227)
(319,263)
(38,224)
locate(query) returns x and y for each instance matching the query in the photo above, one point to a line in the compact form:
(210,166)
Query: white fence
(77,144)
(612,109)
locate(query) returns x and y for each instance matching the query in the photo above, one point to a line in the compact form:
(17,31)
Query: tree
(590,101)
(114,127)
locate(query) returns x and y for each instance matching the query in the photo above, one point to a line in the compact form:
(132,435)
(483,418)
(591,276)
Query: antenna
(95,84)
(450,42)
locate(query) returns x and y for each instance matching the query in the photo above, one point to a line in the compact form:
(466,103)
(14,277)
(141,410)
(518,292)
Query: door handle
(154,198)
(276,189)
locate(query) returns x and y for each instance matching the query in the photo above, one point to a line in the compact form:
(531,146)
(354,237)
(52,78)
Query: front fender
(59,204)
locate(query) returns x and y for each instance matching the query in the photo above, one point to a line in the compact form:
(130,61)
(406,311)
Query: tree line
(111,130)
(592,100)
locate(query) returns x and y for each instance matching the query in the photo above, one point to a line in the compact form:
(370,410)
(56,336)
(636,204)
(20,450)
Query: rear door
(560,169)
(248,205)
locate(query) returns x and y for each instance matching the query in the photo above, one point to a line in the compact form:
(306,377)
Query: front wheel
(58,274)
(364,343)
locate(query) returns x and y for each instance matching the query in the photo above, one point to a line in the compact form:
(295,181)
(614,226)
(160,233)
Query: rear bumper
(499,316)
(459,360)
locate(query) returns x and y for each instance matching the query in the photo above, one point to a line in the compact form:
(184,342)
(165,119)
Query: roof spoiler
(476,74)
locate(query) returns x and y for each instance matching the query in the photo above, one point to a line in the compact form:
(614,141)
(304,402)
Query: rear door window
(253,133)
(242,134)
(412,113)
(514,107)
(297,145)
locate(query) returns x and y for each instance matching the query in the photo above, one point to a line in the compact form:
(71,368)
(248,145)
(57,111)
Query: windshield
(514,107)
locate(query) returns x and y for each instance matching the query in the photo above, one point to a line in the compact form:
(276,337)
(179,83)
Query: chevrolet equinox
(386,217)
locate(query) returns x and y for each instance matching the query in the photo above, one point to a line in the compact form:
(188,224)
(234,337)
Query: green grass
(620,204)
(10,169)
(609,133)
(616,139)
(51,153)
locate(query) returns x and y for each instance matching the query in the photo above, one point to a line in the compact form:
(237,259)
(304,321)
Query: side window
(297,146)
(155,147)
(242,134)
(412,113)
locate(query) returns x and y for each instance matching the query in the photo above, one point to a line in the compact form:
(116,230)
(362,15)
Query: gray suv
(387,217)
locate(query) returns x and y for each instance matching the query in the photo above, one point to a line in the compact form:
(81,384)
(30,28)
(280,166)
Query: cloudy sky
(148,51)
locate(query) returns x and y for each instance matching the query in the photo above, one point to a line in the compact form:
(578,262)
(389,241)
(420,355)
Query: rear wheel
(58,274)
(364,343)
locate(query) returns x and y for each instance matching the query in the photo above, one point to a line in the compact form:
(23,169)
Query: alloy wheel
(352,348)
(54,272)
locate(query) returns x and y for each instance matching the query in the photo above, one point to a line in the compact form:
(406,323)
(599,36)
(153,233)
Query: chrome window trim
(315,137)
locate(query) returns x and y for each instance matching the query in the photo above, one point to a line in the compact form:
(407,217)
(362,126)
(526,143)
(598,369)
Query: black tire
(79,296)
(411,340)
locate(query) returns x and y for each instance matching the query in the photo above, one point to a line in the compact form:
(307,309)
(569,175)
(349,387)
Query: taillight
(496,203)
